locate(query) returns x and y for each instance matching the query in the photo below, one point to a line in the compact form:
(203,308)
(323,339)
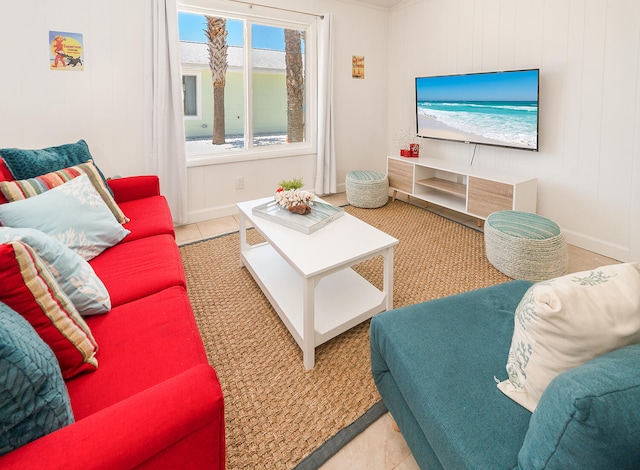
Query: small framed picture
(66,51)
(357,66)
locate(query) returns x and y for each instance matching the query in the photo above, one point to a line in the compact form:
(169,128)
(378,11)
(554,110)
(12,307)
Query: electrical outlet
(239,182)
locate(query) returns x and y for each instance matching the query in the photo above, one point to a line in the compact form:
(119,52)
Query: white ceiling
(382,3)
(387,4)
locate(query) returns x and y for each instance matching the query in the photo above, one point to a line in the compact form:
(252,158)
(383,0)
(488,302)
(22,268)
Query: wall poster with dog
(66,51)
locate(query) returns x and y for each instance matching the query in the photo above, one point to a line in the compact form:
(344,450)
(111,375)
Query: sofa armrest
(134,187)
(130,433)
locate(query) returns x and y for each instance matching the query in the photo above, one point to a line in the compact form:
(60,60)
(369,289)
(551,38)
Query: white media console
(463,188)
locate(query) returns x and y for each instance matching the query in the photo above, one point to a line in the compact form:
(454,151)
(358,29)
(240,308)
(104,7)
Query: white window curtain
(165,153)
(326,161)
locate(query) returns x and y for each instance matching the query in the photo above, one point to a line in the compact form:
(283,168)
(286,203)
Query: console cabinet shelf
(463,188)
(457,189)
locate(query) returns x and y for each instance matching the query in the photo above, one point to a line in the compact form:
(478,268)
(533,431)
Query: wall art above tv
(494,108)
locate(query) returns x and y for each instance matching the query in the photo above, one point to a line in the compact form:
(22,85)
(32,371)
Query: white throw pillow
(565,322)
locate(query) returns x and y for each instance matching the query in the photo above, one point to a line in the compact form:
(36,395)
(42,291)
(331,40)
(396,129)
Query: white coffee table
(308,278)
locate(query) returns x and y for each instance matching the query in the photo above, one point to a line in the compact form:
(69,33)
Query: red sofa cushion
(142,343)
(133,270)
(147,217)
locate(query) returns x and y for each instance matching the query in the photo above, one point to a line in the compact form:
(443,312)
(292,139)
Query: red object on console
(154,402)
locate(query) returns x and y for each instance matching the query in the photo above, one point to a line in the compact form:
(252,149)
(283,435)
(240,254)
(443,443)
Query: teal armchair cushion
(588,417)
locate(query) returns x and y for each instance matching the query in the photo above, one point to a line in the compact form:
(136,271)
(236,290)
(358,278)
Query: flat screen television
(494,108)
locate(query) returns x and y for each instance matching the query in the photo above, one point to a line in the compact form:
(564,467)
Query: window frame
(249,153)
(188,72)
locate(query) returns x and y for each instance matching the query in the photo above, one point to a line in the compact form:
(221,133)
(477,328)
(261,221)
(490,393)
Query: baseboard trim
(610,250)
(211,213)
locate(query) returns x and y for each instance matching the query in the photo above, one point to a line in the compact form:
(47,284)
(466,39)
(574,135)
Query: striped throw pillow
(23,189)
(30,289)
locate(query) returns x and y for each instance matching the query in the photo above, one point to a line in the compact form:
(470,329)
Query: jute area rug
(276,412)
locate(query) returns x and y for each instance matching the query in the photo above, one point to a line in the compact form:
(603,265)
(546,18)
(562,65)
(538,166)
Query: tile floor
(379,447)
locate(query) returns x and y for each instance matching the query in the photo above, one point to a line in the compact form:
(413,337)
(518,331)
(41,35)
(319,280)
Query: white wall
(103,104)
(588,53)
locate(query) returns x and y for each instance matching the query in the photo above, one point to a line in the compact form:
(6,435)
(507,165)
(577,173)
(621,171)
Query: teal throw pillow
(33,396)
(72,213)
(74,275)
(588,417)
(24,163)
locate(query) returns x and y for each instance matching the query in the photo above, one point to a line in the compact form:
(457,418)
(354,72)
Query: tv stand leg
(395,193)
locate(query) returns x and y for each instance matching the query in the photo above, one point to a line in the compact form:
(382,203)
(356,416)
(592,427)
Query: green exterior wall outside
(269,111)
(269,103)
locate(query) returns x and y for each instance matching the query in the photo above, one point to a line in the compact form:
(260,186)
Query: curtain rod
(251,4)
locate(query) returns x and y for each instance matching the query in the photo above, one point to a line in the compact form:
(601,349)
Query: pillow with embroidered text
(72,213)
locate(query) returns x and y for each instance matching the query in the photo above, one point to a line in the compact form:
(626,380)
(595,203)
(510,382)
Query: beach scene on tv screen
(487,108)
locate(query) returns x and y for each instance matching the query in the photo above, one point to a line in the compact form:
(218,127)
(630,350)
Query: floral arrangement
(286,185)
(290,196)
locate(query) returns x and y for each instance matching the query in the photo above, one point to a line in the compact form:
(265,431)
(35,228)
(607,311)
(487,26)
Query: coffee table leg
(308,326)
(243,235)
(388,277)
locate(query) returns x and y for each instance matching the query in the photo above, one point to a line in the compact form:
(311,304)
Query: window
(190,96)
(246,87)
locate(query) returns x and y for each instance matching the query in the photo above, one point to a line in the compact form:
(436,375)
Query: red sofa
(154,401)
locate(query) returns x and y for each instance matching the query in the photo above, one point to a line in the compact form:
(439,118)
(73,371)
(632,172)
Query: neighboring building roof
(196,55)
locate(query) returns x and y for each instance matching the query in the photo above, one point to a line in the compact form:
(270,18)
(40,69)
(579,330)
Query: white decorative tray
(321,214)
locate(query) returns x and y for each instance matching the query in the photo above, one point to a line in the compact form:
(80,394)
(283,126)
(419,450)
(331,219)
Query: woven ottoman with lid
(367,189)
(524,245)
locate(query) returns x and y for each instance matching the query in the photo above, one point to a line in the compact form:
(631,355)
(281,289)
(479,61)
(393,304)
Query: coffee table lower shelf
(341,299)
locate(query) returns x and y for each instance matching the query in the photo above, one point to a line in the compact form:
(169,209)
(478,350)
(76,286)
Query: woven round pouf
(367,189)
(527,246)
